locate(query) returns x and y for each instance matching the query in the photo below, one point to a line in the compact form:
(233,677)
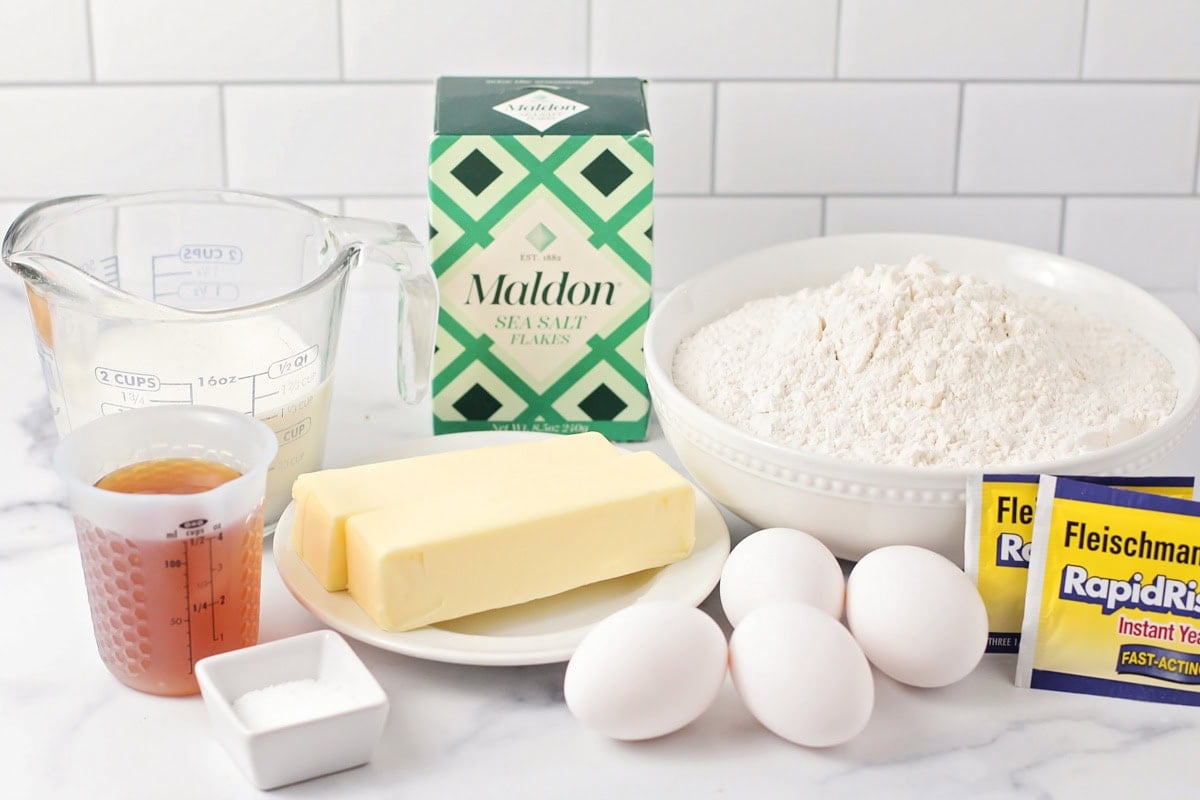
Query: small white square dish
(293,709)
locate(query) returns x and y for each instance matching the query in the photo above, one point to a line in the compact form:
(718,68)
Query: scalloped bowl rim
(667,395)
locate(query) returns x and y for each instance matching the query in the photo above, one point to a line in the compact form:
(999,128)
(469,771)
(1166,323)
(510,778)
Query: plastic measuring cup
(214,298)
(171,578)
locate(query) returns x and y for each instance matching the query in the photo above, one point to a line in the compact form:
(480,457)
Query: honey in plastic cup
(171,578)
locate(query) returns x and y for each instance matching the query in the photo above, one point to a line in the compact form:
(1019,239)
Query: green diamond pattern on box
(606,172)
(540,232)
(475,172)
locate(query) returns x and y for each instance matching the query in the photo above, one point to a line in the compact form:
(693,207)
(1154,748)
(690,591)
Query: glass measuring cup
(215,298)
(171,578)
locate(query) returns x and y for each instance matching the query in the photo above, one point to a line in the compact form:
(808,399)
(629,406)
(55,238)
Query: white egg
(647,670)
(778,565)
(917,616)
(801,674)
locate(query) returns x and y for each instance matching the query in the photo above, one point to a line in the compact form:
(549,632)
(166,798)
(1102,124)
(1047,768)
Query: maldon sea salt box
(540,233)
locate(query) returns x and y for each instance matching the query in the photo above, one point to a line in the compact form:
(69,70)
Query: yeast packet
(1111,606)
(1000,513)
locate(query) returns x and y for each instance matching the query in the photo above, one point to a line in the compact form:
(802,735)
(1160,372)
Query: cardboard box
(540,233)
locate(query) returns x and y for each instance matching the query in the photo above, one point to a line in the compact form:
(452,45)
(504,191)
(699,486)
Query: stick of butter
(462,549)
(326,499)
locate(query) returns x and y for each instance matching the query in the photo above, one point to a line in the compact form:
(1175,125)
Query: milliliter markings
(110,271)
(187,606)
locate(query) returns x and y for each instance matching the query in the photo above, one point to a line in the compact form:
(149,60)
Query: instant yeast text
(1112,606)
(1000,513)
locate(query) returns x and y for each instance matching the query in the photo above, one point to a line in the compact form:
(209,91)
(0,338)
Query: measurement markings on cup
(187,606)
(200,279)
(198,541)
(139,388)
(282,368)
(180,400)
(156,275)
(110,271)
(212,600)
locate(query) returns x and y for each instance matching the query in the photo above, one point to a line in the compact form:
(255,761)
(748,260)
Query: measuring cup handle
(395,246)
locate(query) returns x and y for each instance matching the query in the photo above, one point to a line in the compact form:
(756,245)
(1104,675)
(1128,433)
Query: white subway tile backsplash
(960,38)
(681,121)
(1029,221)
(9,211)
(1143,39)
(46,40)
(105,139)
(759,109)
(811,138)
(692,234)
(1152,241)
(714,38)
(1072,138)
(317,140)
(387,39)
(215,40)
(1185,303)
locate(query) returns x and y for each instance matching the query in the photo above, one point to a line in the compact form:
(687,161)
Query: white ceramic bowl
(314,741)
(855,507)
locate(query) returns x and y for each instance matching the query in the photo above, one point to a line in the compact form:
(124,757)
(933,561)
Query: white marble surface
(69,730)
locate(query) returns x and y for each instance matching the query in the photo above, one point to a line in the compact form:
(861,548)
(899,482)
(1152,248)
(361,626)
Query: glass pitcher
(210,298)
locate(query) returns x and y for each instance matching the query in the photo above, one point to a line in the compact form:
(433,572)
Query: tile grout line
(923,195)
(91,44)
(823,228)
(797,195)
(1062,224)
(837,39)
(1155,290)
(958,129)
(1083,39)
(341,42)
(224,135)
(587,42)
(712,154)
(817,80)
(1196,161)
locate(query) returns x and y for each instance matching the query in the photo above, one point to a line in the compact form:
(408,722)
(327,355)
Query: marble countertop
(69,730)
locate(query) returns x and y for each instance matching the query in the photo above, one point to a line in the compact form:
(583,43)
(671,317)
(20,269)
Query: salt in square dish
(322,740)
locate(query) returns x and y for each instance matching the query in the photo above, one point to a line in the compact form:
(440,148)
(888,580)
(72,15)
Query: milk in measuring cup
(256,365)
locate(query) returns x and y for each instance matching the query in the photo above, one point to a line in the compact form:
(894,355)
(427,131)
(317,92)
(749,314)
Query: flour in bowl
(916,366)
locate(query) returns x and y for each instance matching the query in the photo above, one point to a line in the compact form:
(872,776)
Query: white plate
(539,632)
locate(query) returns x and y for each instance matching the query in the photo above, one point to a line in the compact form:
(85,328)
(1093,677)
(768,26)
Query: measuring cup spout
(395,246)
(46,274)
(21,253)
(40,272)
(51,280)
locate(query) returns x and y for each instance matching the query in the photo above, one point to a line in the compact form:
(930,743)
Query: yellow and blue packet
(1113,598)
(1000,514)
